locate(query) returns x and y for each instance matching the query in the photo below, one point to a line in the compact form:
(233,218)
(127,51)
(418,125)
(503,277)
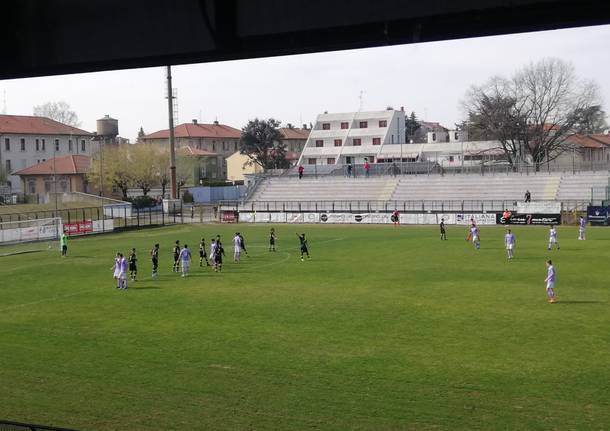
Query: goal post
(15,232)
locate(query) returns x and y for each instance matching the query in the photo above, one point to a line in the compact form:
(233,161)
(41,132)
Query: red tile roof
(590,141)
(190,151)
(66,165)
(30,125)
(190,130)
(294,133)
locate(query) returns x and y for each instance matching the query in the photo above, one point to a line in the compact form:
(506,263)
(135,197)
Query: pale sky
(428,78)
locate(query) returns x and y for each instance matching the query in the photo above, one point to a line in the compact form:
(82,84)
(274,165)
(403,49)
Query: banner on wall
(78,228)
(539,219)
(598,215)
(479,219)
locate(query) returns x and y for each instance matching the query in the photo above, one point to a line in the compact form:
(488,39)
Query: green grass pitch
(383,329)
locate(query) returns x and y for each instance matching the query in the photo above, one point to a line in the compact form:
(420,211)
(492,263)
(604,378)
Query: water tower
(107,129)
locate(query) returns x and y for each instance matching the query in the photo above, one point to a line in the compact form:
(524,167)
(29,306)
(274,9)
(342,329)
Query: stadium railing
(18,426)
(416,206)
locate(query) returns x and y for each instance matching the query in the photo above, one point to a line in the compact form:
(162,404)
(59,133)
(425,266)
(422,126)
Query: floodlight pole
(172,149)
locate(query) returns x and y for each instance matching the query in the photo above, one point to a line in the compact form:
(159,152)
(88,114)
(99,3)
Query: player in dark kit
(202,254)
(154,256)
(272,239)
(176,257)
(304,249)
(133,264)
(443,233)
(220,251)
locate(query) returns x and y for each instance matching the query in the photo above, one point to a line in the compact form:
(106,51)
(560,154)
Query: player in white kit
(475,236)
(553,238)
(550,281)
(236,247)
(185,260)
(582,225)
(509,241)
(117,270)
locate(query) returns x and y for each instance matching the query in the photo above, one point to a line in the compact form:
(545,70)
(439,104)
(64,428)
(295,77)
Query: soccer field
(383,329)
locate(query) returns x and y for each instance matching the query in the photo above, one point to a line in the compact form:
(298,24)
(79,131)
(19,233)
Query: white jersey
(213,248)
(474,232)
(509,240)
(553,235)
(237,244)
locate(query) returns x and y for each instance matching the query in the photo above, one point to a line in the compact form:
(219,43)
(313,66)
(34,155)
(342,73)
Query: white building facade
(353,137)
(26,141)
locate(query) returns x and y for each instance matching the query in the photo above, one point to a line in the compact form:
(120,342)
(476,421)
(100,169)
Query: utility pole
(172,149)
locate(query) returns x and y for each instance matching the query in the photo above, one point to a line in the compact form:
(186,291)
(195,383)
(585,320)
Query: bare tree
(58,111)
(533,113)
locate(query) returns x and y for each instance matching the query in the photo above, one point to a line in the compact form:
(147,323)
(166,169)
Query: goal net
(14,232)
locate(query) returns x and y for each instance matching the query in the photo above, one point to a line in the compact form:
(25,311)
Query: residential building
(353,137)
(238,165)
(215,138)
(56,175)
(193,165)
(27,140)
(294,139)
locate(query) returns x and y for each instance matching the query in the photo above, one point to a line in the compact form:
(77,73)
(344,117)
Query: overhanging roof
(41,37)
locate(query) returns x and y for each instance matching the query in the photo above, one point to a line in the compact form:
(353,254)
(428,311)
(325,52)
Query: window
(345,125)
(32,187)
(325,126)
(376,141)
(451,158)
(44,147)
(22,142)
(330,161)
(235,144)
(311,161)
(338,142)
(82,145)
(56,144)
(357,142)
(37,145)
(213,146)
(47,186)
(8,166)
(7,144)
(319,143)
(434,136)
(383,123)
(70,145)
(364,124)
(456,136)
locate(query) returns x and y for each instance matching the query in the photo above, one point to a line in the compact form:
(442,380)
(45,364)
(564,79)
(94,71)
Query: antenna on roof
(361,97)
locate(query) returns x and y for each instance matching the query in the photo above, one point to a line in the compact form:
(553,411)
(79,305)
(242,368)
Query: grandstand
(554,186)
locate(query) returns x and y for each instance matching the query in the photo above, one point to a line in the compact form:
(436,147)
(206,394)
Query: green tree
(112,168)
(261,141)
(412,125)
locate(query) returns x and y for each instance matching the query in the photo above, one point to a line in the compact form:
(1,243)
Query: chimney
(402,108)
(304,126)
(194,121)
(216,122)
(290,126)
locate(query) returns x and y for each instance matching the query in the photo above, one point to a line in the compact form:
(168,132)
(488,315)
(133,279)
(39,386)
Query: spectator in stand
(367,167)
(528,196)
(349,169)
(301,170)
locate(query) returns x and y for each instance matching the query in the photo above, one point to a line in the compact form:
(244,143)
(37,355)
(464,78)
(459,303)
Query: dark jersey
(303,242)
(133,259)
(272,238)
(442,225)
(242,243)
(176,252)
(154,254)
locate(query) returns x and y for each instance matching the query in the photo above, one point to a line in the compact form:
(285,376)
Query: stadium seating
(578,186)
(466,187)
(477,187)
(325,189)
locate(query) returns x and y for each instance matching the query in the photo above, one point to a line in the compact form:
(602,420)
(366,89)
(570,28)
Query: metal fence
(125,218)
(18,426)
(416,206)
